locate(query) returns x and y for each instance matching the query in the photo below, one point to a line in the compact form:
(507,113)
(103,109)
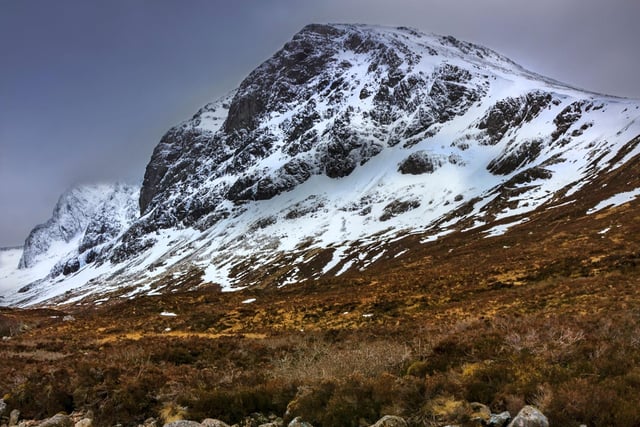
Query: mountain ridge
(346,139)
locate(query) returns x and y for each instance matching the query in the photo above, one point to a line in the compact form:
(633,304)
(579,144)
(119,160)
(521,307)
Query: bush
(234,404)
(43,394)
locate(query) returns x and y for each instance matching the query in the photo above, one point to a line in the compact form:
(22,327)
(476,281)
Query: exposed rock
(183,423)
(331,137)
(3,407)
(398,207)
(527,176)
(298,422)
(85,422)
(254,420)
(14,417)
(529,416)
(515,157)
(499,420)
(390,421)
(510,113)
(150,422)
(58,420)
(567,118)
(211,422)
(420,162)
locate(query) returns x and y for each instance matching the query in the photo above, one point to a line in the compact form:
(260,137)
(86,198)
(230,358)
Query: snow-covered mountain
(70,217)
(349,138)
(85,220)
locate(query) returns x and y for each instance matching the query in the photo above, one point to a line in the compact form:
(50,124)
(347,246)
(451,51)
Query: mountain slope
(347,140)
(70,217)
(85,220)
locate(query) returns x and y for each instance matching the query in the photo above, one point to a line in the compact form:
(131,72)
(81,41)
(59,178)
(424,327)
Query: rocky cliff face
(334,97)
(348,138)
(85,219)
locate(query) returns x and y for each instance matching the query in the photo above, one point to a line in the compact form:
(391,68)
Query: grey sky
(87,88)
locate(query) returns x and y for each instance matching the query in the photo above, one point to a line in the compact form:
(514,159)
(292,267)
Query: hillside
(544,314)
(375,222)
(348,139)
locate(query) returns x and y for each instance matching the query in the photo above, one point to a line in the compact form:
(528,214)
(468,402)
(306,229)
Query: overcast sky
(87,88)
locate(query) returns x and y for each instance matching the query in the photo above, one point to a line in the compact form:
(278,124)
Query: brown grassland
(547,314)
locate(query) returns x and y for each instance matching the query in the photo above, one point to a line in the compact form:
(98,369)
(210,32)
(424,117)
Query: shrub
(43,394)
(447,354)
(418,369)
(232,405)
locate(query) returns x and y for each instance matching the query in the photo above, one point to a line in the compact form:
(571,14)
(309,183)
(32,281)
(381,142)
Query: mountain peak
(347,138)
(82,216)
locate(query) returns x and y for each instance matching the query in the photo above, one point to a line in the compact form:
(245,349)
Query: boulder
(58,420)
(14,416)
(3,406)
(499,420)
(85,422)
(254,420)
(183,423)
(530,416)
(210,422)
(391,421)
(297,422)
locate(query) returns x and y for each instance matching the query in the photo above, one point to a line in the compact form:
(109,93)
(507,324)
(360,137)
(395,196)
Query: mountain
(70,216)
(85,220)
(333,154)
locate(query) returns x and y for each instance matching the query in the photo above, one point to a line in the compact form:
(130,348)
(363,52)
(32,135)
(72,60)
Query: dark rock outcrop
(515,157)
(398,207)
(420,162)
(510,113)
(567,117)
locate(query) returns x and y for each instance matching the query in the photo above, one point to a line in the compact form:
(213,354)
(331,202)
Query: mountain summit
(348,140)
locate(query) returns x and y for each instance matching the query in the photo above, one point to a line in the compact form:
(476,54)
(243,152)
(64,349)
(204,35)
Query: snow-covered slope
(84,223)
(70,216)
(350,137)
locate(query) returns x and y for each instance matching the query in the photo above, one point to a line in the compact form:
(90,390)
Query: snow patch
(615,200)
(501,229)
(168,314)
